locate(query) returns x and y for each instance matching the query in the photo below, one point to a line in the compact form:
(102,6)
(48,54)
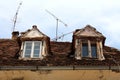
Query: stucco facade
(59,75)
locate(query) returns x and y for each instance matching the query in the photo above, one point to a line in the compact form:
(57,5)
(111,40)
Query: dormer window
(35,44)
(88,43)
(32,49)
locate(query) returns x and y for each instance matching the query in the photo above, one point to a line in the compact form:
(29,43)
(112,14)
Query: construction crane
(15,17)
(59,37)
(57,20)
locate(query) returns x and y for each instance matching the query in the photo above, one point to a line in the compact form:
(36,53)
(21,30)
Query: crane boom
(15,17)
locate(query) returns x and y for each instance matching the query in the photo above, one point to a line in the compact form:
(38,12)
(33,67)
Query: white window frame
(32,49)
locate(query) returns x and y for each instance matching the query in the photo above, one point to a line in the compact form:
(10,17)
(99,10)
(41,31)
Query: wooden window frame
(89,44)
(85,43)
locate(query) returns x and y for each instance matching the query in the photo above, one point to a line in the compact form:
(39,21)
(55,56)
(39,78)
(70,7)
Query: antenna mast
(57,20)
(15,17)
(59,37)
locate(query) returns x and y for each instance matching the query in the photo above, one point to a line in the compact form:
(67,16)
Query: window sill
(31,58)
(89,58)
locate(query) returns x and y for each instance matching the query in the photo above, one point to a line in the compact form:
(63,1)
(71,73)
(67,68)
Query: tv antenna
(57,20)
(59,37)
(15,17)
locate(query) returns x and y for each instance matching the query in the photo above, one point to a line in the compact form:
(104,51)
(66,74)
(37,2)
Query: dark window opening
(94,50)
(84,50)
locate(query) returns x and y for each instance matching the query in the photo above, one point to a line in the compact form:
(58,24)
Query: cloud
(104,15)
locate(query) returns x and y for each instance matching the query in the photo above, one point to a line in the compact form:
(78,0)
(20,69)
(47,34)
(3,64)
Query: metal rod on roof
(57,20)
(59,37)
(56,67)
(56,29)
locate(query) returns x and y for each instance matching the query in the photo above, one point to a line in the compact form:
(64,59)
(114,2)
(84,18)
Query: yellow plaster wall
(59,75)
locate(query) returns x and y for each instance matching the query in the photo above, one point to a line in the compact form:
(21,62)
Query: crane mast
(57,20)
(15,17)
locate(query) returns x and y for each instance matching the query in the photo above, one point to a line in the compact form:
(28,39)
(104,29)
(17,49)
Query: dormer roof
(33,34)
(88,31)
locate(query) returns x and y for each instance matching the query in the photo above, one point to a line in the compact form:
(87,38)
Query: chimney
(15,35)
(34,27)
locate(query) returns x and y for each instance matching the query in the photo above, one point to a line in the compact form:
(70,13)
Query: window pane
(37,45)
(36,53)
(28,48)
(84,50)
(36,49)
(94,50)
(27,53)
(28,45)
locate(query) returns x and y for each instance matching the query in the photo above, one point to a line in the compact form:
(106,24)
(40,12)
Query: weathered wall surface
(59,75)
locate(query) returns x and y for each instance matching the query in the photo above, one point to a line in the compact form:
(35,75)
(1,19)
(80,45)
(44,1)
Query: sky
(104,15)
